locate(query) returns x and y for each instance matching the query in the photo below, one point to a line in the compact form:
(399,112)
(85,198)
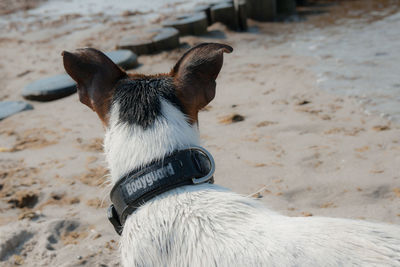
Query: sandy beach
(303,145)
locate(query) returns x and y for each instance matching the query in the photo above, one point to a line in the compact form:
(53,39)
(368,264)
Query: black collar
(194,165)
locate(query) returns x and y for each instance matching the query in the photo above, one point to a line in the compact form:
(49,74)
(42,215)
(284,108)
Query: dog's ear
(195,74)
(96,76)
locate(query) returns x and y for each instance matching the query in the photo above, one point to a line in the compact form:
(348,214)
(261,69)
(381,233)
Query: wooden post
(262,10)
(241,11)
(286,7)
(226,14)
(301,2)
(207,10)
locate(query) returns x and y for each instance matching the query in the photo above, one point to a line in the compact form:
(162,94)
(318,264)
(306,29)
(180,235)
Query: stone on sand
(189,24)
(50,88)
(8,108)
(126,59)
(150,41)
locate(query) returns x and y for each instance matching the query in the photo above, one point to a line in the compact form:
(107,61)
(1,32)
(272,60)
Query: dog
(151,124)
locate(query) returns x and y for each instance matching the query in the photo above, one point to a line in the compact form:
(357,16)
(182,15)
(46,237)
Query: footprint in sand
(62,230)
(14,245)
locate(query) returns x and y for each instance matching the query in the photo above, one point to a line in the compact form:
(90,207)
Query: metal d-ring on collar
(210,174)
(190,166)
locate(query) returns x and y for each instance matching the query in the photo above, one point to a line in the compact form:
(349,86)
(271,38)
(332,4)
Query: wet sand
(302,149)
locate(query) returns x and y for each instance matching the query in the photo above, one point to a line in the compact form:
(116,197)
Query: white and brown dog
(149,118)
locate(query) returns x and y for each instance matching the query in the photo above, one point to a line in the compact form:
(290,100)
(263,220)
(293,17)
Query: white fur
(207,225)
(128,147)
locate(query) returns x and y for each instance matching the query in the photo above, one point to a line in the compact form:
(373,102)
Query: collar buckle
(114,219)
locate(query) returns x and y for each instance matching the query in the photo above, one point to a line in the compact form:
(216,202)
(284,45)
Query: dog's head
(189,86)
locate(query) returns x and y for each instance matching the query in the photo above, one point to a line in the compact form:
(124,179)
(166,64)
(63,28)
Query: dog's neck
(129,147)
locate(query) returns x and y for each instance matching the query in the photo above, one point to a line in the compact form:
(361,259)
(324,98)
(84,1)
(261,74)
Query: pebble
(151,41)
(50,88)
(189,24)
(126,59)
(8,108)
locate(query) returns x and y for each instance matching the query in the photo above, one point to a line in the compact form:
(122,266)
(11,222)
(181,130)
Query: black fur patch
(139,99)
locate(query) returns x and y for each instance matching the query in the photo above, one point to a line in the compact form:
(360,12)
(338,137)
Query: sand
(274,133)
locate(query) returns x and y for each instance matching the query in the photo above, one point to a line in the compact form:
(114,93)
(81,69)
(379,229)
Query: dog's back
(208,225)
